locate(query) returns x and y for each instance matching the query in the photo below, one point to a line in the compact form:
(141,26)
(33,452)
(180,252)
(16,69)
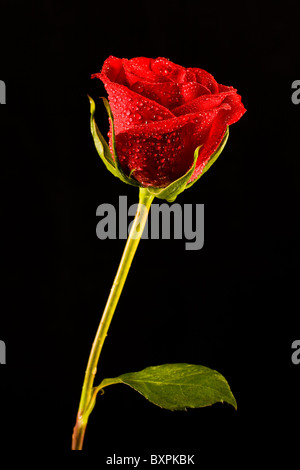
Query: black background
(232,306)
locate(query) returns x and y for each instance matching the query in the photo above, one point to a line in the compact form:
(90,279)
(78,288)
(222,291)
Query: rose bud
(162,112)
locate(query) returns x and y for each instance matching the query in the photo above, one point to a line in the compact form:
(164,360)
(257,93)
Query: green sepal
(177,386)
(100,142)
(111,162)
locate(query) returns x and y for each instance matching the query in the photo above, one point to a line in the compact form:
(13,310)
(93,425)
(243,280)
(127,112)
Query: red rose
(162,113)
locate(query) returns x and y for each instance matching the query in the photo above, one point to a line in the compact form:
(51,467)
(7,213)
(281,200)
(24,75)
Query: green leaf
(177,386)
(213,157)
(176,187)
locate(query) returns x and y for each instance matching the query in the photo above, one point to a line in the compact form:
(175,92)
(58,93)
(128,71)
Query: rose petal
(229,112)
(237,108)
(203,103)
(211,142)
(131,109)
(159,153)
(168,84)
(138,69)
(205,79)
(165,69)
(113,70)
(166,94)
(156,159)
(224,88)
(192,90)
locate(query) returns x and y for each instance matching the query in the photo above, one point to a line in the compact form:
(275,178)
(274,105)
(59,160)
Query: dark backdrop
(232,306)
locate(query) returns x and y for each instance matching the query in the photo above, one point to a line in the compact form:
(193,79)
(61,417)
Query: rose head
(162,112)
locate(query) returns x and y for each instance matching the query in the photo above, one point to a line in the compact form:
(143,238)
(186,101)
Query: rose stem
(87,399)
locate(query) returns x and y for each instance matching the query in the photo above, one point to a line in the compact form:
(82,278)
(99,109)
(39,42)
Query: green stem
(88,396)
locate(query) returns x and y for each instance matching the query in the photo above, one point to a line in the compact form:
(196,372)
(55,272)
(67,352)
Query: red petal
(205,79)
(157,156)
(191,90)
(139,68)
(159,153)
(167,70)
(237,108)
(210,143)
(203,103)
(166,94)
(131,109)
(214,137)
(112,69)
(165,83)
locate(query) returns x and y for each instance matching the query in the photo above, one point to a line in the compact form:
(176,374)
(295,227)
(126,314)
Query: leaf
(177,386)
(176,187)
